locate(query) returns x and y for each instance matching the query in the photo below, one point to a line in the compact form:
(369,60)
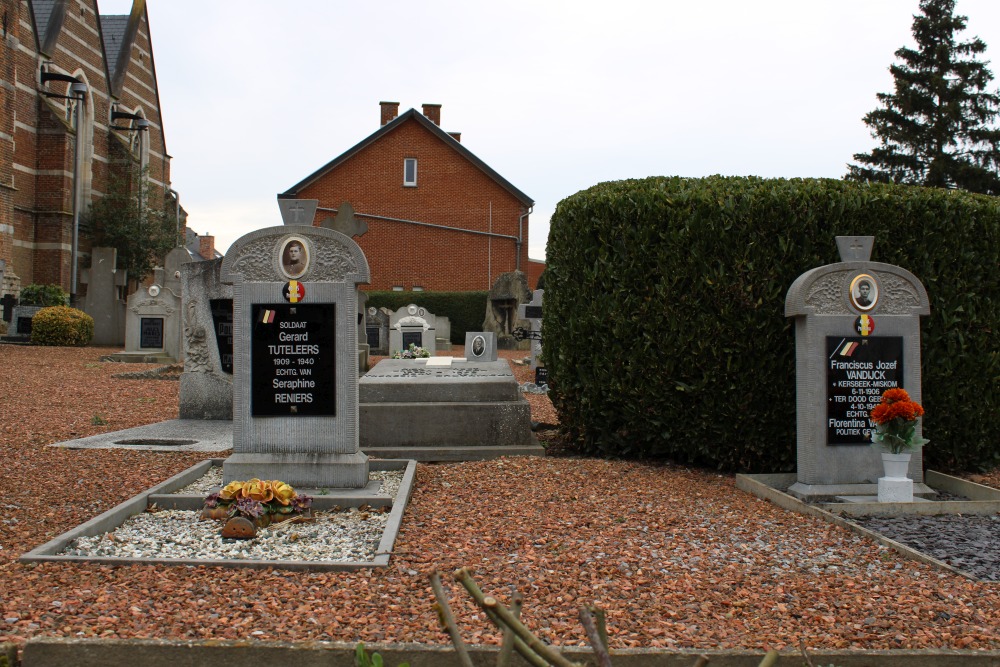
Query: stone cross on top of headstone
(298,211)
(855,248)
(345,222)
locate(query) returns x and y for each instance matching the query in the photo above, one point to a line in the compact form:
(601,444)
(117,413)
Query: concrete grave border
(984,500)
(162,495)
(237,653)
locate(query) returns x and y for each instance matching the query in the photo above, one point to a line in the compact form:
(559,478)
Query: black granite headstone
(415,337)
(859,370)
(222,318)
(8,302)
(151,333)
(292,370)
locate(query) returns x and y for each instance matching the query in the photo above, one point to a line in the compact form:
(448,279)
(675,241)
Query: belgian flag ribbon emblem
(294,291)
(865,325)
(268,317)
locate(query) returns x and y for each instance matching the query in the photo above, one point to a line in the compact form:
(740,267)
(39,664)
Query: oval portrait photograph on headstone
(478,346)
(864,292)
(294,257)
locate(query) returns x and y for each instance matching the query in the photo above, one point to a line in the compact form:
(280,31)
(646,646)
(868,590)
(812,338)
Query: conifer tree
(936,128)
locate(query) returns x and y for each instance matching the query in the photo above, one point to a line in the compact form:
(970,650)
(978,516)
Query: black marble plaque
(222,320)
(858,370)
(532,312)
(415,337)
(293,350)
(24,326)
(151,333)
(541,375)
(372,337)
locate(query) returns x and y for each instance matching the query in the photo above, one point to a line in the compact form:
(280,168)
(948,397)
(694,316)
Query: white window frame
(406,163)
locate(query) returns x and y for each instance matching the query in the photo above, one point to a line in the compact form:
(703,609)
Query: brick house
(439,218)
(79,97)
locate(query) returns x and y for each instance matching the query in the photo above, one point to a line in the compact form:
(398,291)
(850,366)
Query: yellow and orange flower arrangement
(255,498)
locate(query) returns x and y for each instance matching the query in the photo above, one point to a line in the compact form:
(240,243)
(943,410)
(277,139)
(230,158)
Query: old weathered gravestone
(508,292)
(105,301)
(377,330)
(412,324)
(153,320)
(206,390)
(857,333)
(295,370)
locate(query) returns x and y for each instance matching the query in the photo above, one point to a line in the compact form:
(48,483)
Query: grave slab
(465,411)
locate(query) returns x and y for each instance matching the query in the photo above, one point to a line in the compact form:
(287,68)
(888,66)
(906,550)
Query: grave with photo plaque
(295,356)
(857,334)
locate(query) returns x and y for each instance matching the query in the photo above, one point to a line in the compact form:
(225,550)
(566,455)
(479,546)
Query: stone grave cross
(532,312)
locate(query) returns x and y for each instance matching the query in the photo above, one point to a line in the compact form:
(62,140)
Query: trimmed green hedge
(43,295)
(665,333)
(465,310)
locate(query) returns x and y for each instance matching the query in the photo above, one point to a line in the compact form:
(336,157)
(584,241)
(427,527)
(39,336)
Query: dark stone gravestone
(8,302)
(151,332)
(222,320)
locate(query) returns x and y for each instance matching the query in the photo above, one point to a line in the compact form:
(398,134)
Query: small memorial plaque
(859,370)
(372,337)
(151,333)
(532,312)
(292,364)
(222,318)
(541,375)
(415,337)
(24,326)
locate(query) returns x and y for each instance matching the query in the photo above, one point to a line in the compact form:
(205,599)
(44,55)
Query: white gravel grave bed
(339,535)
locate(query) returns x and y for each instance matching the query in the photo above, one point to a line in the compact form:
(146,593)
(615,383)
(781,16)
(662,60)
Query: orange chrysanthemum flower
(895,395)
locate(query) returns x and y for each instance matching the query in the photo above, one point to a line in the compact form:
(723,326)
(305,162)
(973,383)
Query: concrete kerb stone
(44,651)
(764,486)
(208,436)
(108,521)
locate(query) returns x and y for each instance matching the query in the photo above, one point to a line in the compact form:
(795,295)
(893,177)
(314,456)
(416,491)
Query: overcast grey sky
(554,95)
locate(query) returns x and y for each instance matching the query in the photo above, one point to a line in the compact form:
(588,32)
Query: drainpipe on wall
(78,90)
(177,215)
(520,234)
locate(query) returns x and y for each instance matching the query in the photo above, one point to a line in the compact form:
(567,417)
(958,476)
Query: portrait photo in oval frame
(864,292)
(294,257)
(478,346)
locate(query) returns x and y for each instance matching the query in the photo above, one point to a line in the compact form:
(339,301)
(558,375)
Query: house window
(418,288)
(410,172)
(397,288)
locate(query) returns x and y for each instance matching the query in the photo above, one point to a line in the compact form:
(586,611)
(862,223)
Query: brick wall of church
(38,211)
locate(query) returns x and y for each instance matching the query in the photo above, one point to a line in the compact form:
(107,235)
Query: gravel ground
(676,557)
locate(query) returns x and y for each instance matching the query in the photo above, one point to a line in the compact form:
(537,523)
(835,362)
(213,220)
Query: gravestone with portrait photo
(295,356)
(857,334)
(412,324)
(480,346)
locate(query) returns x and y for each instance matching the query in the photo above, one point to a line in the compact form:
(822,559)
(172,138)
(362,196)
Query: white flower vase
(895,487)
